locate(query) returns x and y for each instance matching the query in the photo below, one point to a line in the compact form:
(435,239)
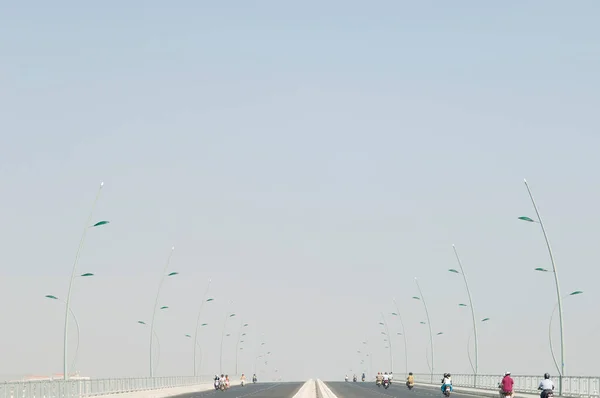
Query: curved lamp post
(162,279)
(426,349)
(258,355)
(73,275)
(227,316)
(196,331)
(469,343)
(370,355)
(575,293)
(462,272)
(397,313)
(558,295)
(422,299)
(51,297)
(237,346)
(387,333)
(157,343)
(196,344)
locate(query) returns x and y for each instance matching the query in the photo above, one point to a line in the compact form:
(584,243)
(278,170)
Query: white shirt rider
(547,384)
(386,377)
(447,381)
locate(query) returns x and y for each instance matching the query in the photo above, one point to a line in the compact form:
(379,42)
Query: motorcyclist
(364,377)
(227,383)
(386,378)
(447,381)
(410,380)
(216,382)
(546,385)
(354,379)
(243,380)
(254,378)
(346,378)
(391,377)
(506,385)
(379,378)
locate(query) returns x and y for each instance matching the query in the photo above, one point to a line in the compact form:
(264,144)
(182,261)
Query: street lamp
(196,331)
(422,299)
(462,272)
(88,225)
(162,279)
(157,343)
(469,344)
(227,316)
(558,295)
(426,350)
(197,344)
(575,293)
(51,297)
(237,347)
(397,313)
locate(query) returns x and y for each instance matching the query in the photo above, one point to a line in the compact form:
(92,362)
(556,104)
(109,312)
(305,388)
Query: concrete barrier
(308,390)
(323,391)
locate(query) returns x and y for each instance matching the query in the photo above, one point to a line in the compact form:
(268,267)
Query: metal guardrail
(93,387)
(572,386)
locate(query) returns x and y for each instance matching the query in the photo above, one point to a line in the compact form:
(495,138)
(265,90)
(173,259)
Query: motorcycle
(254,380)
(216,385)
(547,394)
(378,383)
(354,379)
(410,385)
(386,384)
(504,394)
(363,379)
(447,391)
(242,383)
(222,386)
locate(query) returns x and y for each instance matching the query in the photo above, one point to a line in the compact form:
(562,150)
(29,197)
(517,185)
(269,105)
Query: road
(258,390)
(370,390)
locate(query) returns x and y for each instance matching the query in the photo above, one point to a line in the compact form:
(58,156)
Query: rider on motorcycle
(410,380)
(547,386)
(446,381)
(506,385)
(386,378)
(243,380)
(379,378)
(363,376)
(254,378)
(346,378)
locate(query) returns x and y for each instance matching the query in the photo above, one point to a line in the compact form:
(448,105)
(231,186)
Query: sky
(311,159)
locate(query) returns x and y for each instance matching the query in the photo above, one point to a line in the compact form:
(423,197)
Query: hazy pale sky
(312,158)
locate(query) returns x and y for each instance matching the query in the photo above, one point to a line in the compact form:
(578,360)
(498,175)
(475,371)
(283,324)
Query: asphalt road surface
(258,390)
(396,390)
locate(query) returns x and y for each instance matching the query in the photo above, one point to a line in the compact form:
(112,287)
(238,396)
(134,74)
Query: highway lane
(258,390)
(396,390)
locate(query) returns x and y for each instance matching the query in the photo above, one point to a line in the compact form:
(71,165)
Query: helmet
(410,373)
(546,376)
(506,373)
(448,374)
